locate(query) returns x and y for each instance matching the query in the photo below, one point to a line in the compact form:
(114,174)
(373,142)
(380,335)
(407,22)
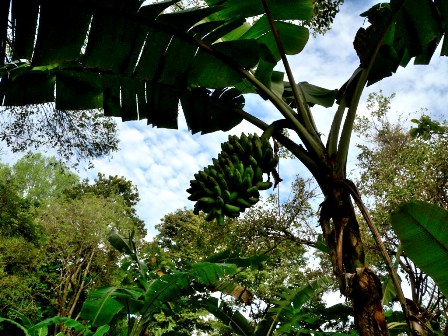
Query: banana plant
(285,316)
(139,61)
(152,293)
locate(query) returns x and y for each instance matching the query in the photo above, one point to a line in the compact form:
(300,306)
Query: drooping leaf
(123,245)
(402,30)
(238,292)
(42,326)
(101,306)
(313,94)
(389,291)
(18,325)
(210,274)
(229,256)
(234,319)
(208,111)
(293,37)
(287,310)
(281,10)
(423,231)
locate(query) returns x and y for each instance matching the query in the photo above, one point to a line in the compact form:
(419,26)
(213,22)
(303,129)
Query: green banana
(217,191)
(249,146)
(205,189)
(234,158)
(207,200)
(237,178)
(229,208)
(203,176)
(238,148)
(249,172)
(244,141)
(252,190)
(232,183)
(257,148)
(252,161)
(247,183)
(242,202)
(253,200)
(195,196)
(219,202)
(264,185)
(213,172)
(226,195)
(258,174)
(227,147)
(240,168)
(222,181)
(233,196)
(220,219)
(267,156)
(217,165)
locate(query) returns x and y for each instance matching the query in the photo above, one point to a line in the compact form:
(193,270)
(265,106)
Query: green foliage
(54,250)
(426,127)
(416,32)
(41,328)
(124,58)
(151,293)
(115,189)
(38,178)
(427,224)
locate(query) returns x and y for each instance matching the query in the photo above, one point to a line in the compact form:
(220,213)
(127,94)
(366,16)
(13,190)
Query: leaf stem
(305,112)
(350,186)
(332,142)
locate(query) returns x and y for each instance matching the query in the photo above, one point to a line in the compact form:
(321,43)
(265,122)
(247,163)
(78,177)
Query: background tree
(54,248)
(77,248)
(115,189)
(395,168)
(73,136)
(38,178)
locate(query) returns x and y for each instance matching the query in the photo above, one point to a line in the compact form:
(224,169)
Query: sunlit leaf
(423,231)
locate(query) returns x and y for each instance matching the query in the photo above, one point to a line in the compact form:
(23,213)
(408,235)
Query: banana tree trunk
(356,281)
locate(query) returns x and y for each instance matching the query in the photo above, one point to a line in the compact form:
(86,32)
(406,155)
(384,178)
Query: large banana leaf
(423,231)
(103,304)
(406,29)
(287,311)
(139,61)
(228,316)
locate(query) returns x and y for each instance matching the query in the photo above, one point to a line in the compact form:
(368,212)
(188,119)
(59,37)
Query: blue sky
(162,162)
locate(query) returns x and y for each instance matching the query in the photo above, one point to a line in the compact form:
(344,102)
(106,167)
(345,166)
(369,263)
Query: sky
(161,162)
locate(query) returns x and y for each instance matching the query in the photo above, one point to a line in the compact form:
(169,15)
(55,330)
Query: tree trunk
(356,281)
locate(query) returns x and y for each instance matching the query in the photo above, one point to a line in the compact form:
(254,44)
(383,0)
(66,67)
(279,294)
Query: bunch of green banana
(233,182)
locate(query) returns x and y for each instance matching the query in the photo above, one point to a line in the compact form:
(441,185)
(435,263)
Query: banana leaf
(423,231)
